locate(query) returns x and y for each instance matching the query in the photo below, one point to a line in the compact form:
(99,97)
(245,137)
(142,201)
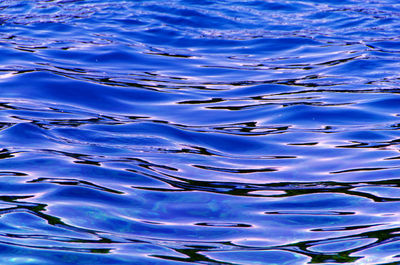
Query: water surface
(199,132)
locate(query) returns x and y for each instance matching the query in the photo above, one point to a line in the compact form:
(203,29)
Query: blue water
(199,132)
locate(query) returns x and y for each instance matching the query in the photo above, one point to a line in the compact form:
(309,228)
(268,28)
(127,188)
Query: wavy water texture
(199,132)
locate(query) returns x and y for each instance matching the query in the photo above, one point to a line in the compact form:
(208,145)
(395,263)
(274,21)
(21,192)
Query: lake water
(199,132)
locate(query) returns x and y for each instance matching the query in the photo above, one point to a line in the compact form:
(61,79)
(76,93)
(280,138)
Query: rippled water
(199,132)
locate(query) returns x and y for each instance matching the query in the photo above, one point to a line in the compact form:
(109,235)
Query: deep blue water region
(232,132)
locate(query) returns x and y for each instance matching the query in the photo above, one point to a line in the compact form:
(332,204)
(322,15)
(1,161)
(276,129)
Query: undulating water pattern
(199,132)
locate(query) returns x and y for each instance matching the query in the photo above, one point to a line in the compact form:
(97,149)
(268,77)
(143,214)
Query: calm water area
(230,132)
